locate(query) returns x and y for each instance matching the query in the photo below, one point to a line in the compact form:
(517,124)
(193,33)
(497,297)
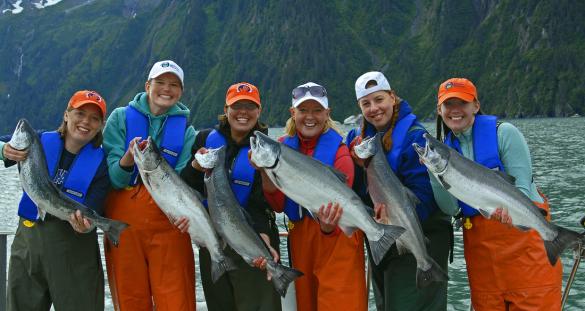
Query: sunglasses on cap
(244,88)
(315,90)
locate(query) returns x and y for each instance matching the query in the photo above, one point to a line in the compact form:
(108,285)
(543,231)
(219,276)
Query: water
(557,148)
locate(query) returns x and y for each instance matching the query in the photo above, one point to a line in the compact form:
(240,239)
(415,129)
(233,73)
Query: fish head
(265,150)
(23,135)
(147,155)
(368,147)
(209,159)
(434,155)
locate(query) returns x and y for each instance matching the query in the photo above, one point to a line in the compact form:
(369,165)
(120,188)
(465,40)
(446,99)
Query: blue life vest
(485,130)
(325,151)
(242,172)
(81,172)
(171,145)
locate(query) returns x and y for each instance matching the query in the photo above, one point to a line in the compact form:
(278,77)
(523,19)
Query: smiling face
(242,117)
(163,92)
(83,124)
(378,108)
(458,114)
(310,118)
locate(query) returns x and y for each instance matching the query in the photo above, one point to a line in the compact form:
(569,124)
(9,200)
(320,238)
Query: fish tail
(434,274)
(565,238)
(218,268)
(382,245)
(114,229)
(282,276)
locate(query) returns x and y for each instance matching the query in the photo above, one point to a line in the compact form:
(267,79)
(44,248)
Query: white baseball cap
(312,91)
(165,66)
(376,76)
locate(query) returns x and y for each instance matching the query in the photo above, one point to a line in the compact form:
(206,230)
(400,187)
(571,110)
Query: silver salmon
(176,199)
(233,224)
(385,187)
(35,180)
(486,190)
(311,183)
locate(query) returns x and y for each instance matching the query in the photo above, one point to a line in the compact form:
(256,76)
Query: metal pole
(578,256)
(2,271)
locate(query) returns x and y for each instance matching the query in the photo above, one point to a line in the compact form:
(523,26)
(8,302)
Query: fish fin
(380,247)
(197,194)
(248,217)
(218,268)
(114,230)
(401,248)
(42,213)
(522,228)
(411,196)
(338,174)
(443,182)
(348,230)
(427,242)
(507,177)
(282,276)
(565,238)
(484,213)
(434,274)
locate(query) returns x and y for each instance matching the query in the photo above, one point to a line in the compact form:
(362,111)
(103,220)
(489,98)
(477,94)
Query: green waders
(394,280)
(50,263)
(243,289)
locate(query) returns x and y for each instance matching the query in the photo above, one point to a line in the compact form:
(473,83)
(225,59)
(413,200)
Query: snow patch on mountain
(17,8)
(45,3)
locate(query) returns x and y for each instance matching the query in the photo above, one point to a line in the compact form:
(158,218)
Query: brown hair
(387,139)
(96,140)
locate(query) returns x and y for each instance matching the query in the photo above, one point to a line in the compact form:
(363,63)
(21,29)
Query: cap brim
(317,99)
(243,97)
(167,71)
(464,96)
(85,102)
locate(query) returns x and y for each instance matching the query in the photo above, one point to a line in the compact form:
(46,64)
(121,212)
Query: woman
(507,268)
(394,279)
(154,263)
(50,263)
(332,263)
(244,288)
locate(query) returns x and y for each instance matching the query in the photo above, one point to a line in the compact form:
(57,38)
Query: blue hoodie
(115,137)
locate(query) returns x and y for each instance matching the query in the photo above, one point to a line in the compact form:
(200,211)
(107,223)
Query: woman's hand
(79,223)
(380,213)
(261,262)
(356,160)
(127,159)
(12,154)
(195,164)
(182,224)
(501,215)
(329,216)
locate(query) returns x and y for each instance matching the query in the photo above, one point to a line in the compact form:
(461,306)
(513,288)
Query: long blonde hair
(97,139)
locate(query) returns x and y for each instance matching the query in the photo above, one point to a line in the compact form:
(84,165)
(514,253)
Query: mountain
(524,56)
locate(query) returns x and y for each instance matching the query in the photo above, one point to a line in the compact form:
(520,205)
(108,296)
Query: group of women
(55,262)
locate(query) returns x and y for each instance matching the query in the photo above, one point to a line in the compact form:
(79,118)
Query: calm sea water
(557,149)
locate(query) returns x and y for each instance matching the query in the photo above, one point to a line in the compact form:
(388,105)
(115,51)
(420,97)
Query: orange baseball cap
(84,97)
(457,88)
(240,91)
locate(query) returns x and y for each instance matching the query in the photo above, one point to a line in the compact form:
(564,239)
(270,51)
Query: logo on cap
(448,85)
